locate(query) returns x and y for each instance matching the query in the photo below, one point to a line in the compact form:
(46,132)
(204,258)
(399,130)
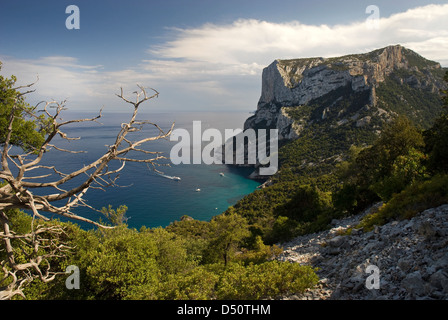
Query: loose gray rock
(414,284)
(426,229)
(442,263)
(404,264)
(439,280)
(411,258)
(337,241)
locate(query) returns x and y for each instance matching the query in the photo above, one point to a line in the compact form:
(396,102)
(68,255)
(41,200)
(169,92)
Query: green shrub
(406,169)
(282,230)
(411,201)
(271,279)
(306,203)
(436,139)
(197,284)
(121,261)
(260,252)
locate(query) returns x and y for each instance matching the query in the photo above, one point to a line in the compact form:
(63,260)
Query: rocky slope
(411,256)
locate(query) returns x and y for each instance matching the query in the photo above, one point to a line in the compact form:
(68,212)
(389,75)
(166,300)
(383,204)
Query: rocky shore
(408,259)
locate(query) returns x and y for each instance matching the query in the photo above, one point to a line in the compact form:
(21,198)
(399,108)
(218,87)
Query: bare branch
(65,150)
(99,174)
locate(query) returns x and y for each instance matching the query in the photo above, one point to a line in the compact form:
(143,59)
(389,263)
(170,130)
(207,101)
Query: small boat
(176,178)
(197,190)
(221,174)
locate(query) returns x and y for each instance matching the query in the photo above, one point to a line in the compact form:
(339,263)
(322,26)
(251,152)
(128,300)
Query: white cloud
(248,42)
(224,62)
(65,62)
(170,69)
(59,77)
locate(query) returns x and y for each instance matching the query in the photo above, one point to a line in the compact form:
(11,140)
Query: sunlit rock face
(297,82)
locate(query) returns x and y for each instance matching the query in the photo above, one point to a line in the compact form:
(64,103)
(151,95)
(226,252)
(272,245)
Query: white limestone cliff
(296,82)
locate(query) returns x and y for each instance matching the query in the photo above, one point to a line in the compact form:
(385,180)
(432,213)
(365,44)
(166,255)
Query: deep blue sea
(154,200)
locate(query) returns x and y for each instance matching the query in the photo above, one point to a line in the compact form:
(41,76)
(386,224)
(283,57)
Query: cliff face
(300,82)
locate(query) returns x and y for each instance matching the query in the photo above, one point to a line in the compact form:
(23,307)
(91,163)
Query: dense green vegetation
(218,259)
(335,169)
(419,176)
(26,132)
(340,168)
(189,260)
(402,98)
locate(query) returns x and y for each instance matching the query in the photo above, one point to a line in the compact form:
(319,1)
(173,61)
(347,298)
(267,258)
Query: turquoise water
(153,200)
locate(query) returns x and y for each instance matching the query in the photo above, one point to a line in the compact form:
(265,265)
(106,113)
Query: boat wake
(169,177)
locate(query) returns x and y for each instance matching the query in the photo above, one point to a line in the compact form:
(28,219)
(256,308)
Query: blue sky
(200,55)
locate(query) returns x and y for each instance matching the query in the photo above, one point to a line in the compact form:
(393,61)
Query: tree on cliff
(436,138)
(28,135)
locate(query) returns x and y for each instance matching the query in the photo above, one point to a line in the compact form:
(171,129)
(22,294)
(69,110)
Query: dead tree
(19,186)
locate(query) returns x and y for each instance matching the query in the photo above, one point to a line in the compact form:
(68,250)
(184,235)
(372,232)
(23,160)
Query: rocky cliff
(300,82)
(333,103)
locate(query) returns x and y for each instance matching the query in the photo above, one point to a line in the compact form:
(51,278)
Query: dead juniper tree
(19,184)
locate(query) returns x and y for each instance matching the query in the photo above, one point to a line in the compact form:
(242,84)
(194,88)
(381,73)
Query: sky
(200,55)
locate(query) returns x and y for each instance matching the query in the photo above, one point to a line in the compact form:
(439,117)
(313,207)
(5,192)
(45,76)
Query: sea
(152,199)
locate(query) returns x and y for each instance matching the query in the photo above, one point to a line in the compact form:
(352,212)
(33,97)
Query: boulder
(414,284)
(337,241)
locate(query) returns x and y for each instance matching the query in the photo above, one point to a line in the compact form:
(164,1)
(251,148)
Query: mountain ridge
(305,77)
(357,93)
